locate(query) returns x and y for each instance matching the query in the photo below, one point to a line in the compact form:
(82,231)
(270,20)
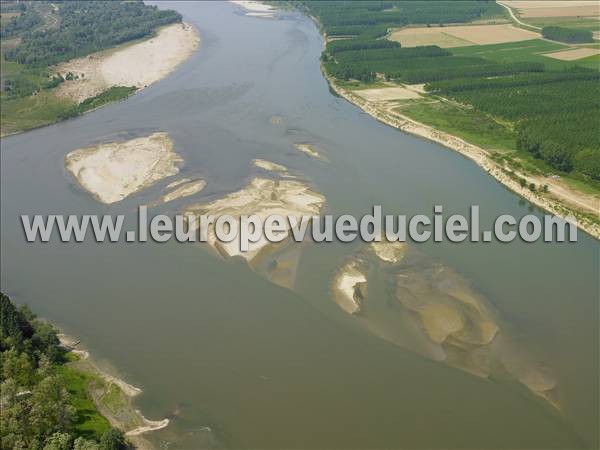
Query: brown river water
(236,361)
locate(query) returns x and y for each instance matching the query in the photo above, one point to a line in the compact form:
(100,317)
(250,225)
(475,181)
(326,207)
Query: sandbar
(114,170)
(139,64)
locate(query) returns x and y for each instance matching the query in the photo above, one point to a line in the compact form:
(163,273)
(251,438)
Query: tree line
(38,411)
(568,35)
(555,113)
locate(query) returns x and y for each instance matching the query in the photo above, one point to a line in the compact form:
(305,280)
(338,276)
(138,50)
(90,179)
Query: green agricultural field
(582,23)
(530,51)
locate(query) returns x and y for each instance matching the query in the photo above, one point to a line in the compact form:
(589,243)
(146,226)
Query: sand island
(113,171)
(262,197)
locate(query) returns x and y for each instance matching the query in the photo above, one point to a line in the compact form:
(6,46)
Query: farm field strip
(452,36)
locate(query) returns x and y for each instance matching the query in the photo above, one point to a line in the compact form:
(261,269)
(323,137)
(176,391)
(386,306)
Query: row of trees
(37,411)
(399,13)
(556,113)
(568,35)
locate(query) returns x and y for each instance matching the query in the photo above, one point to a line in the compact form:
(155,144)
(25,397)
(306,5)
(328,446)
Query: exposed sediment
(435,312)
(182,190)
(349,285)
(311,151)
(140,64)
(113,171)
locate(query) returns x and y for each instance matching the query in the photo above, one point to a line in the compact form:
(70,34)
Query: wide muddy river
(239,362)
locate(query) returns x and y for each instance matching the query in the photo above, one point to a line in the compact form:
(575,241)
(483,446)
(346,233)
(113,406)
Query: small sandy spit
(255,9)
(348,286)
(311,151)
(114,170)
(139,64)
(268,165)
(185,189)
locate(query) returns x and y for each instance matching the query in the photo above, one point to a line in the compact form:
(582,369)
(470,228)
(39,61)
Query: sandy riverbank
(114,170)
(477,154)
(139,64)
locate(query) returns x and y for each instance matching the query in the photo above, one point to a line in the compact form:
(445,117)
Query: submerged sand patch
(461,35)
(139,64)
(390,252)
(437,313)
(112,171)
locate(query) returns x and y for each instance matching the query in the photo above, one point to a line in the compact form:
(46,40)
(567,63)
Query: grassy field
(24,113)
(464,122)
(525,51)
(90,423)
(582,23)
(44,108)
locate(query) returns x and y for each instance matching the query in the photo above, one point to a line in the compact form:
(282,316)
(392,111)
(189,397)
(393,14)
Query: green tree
(587,162)
(50,407)
(59,441)
(84,444)
(112,440)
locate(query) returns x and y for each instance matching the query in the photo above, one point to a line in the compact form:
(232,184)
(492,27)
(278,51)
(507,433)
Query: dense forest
(86,27)
(38,411)
(359,17)
(568,35)
(555,113)
(23,22)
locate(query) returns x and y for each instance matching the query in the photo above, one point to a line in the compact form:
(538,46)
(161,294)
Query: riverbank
(505,175)
(101,78)
(112,397)
(140,64)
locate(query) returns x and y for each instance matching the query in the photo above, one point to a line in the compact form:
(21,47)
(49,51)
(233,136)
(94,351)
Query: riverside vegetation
(532,112)
(46,404)
(39,35)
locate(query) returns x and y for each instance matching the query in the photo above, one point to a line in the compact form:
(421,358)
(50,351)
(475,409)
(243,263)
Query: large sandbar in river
(115,170)
(139,64)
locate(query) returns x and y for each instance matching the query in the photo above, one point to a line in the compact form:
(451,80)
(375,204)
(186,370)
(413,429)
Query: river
(239,362)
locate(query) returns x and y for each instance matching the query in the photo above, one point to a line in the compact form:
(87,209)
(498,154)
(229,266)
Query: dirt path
(515,18)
